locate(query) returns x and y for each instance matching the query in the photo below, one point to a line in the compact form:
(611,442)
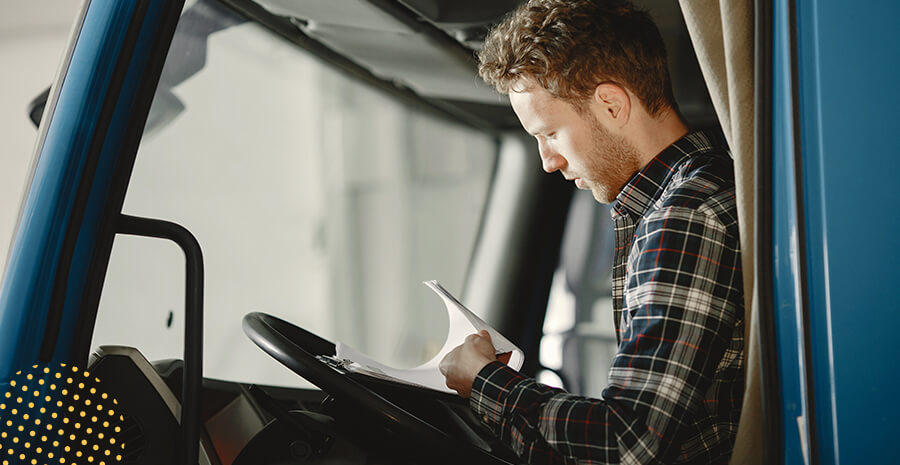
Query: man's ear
(614,103)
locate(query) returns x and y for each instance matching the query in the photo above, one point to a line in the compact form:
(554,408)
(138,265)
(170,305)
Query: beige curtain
(722,34)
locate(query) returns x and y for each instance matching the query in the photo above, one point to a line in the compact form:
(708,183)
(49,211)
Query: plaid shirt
(676,384)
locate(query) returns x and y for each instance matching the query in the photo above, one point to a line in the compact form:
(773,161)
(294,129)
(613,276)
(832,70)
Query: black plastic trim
(525,303)
(802,279)
(36,106)
(764,297)
(85,184)
(193,324)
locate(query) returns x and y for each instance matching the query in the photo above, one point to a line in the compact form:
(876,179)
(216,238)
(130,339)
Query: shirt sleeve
(676,326)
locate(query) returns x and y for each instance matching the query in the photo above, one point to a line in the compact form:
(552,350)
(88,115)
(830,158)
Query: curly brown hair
(571,46)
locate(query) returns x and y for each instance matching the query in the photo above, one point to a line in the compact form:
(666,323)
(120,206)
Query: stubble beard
(611,163)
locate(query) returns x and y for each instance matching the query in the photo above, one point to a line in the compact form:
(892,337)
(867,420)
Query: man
(589,80)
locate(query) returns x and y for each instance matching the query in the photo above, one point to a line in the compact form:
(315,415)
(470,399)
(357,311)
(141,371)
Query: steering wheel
(297,349)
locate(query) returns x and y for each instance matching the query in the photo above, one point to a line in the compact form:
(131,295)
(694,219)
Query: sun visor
(348,13)
(409,58)
(388,48)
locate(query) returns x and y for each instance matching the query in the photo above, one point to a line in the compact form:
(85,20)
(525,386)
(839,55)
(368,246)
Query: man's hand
(463,363)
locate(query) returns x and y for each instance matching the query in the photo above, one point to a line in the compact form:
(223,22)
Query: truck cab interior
(303,167)
(224,189)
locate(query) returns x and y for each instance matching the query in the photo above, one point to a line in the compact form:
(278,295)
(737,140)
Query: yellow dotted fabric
(59,416)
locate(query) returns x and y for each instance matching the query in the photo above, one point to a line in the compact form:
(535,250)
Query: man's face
(575,143)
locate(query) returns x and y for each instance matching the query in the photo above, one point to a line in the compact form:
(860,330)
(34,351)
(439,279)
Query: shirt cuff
(490,389)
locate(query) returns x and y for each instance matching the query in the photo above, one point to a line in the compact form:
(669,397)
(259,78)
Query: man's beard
(610,164)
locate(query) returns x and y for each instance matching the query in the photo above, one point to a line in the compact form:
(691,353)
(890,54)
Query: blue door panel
(786,252)
(100,190)
(848,76)
(835,214)
(93,110)
(28,281)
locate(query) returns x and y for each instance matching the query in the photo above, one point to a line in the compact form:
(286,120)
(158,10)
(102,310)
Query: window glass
(579,341)
(314,198)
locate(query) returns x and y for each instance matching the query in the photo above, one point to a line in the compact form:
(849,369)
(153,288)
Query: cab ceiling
(428,46)
(399,48)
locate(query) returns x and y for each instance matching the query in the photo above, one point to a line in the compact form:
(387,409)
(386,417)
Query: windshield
(314,198)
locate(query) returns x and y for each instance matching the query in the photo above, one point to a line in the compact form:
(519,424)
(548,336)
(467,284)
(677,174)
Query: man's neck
(655,134)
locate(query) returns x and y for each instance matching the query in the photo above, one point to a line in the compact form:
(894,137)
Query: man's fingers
(461,365)
(447,362)
(483,334)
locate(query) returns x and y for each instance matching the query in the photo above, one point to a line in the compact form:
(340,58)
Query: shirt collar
(648,184)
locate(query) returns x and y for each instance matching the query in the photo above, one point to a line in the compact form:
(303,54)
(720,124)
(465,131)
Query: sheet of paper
(462,323)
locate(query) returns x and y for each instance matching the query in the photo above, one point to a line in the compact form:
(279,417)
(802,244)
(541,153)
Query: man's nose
(550,159)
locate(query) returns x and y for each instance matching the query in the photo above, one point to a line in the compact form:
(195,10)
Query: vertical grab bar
(193,325)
